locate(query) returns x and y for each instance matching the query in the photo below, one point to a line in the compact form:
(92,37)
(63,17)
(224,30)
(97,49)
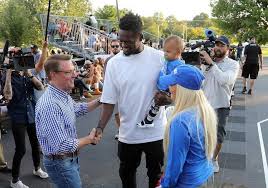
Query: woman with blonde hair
(190,136)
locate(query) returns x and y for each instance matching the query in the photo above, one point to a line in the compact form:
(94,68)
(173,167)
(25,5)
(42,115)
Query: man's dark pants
(130,158)
(19,131)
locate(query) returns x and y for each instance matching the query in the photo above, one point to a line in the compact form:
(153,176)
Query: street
(241,161)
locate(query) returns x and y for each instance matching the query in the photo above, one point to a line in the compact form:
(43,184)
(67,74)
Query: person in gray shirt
(220,76)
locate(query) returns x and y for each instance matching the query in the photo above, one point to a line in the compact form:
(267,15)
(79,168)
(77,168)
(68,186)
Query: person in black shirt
(253,55)
(19,92)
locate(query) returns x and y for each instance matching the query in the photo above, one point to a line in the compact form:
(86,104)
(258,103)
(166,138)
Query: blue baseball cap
(187,76)
(223,39)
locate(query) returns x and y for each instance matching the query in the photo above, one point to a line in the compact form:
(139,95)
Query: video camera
(19,59)
(193,57)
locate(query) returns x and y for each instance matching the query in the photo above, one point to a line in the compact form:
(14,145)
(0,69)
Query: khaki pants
(3,162)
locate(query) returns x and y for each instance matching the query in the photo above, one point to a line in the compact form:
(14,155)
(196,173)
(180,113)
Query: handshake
(94,136)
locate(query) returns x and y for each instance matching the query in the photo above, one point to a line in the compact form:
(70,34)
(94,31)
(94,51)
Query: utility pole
(117,11)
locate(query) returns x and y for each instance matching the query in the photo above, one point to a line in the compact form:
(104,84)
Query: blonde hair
(178,42)
(186,98)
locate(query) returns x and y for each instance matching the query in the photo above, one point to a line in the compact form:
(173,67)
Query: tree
(77,8)
(150,27)
(17,24)
(154,26)
(174,27)
(196,33)
(201,20)
(242,18)
(108,12)
(107,15)
(19,19)
(59,7)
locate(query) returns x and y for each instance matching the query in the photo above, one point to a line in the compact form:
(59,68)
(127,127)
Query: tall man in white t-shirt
(130,81)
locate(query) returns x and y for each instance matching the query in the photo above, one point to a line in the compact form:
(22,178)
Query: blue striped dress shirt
(55,118)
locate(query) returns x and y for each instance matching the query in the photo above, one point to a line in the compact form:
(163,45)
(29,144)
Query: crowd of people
(141,84)
(93,38)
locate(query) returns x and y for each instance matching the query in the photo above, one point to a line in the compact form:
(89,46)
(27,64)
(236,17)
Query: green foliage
(150,25)
(265,52)
(242,18)
(19,19)
(17,23)
(201,20)
(159,26)
(59,7)
(196,33)
(107,15)
(156,25)
(108,12)
(174,27)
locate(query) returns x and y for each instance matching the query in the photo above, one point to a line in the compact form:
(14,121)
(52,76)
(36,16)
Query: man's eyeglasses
(68,73)
(115,46)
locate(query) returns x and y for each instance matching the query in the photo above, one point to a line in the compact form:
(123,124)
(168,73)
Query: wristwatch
(31,77)
(210,65)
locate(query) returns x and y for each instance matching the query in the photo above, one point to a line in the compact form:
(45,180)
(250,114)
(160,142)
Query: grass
(265,52)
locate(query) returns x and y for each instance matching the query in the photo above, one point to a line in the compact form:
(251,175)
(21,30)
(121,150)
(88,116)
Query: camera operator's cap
(34,46)
(187,76)
(223,39)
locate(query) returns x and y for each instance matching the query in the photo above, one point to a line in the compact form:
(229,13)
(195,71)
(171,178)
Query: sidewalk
(240,159)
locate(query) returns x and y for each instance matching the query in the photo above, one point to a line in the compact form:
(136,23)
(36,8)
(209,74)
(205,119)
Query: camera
(19,59)
(193,57)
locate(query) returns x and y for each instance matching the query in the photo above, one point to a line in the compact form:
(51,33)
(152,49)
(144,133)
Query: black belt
(62,156)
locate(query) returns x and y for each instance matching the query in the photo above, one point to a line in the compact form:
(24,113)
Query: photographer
(220,76)
(19,91)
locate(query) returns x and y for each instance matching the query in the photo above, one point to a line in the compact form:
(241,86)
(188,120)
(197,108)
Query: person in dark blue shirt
(19,91)
(173,47)
(190,136)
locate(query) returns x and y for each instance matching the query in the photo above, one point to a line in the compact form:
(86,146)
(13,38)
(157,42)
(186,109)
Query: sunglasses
(115,46)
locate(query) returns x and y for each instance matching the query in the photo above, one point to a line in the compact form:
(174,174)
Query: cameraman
(220,76)
(19,91)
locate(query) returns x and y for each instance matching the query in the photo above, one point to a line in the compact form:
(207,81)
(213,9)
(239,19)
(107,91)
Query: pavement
(242,160)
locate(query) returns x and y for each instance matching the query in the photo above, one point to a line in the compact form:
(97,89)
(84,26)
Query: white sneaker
(40,173)
(18,184)
(216,166)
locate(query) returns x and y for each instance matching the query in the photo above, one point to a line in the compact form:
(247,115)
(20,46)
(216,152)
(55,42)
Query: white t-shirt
(131,81)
